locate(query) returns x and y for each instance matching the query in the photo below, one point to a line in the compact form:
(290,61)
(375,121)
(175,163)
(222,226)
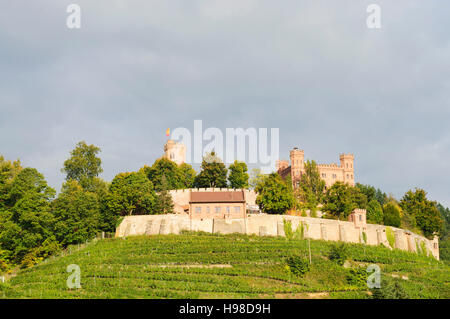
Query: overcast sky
(310,68)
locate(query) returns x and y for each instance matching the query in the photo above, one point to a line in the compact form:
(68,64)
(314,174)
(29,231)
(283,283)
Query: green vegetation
(238,177)
(390,236)
(338,253)
(213,173)
(311,186)
(392,213)
(274,195)
(199,265)
(298,265)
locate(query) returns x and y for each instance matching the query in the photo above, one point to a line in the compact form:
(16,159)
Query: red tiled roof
(217,197)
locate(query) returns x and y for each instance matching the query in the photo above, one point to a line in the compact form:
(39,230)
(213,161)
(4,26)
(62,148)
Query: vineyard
(199,265)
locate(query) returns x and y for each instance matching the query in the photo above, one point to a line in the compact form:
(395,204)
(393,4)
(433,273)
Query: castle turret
(347,161)
(174,151)
(297,164)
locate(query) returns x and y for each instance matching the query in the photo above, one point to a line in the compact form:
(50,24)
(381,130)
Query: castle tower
(347,161)
(174,151)
(297,164)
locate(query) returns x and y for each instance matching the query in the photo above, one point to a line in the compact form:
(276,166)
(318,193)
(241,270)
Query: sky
(313,69)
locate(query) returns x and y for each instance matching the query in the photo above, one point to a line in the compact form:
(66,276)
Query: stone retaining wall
(273,225)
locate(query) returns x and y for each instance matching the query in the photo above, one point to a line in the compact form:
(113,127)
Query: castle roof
(217,197)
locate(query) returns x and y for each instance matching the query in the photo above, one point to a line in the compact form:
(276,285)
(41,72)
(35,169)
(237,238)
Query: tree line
(35,223)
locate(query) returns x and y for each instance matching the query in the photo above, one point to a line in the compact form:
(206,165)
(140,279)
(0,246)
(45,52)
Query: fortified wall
(273,225)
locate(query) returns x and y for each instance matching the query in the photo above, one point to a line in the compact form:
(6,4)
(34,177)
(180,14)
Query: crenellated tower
(174,151)
(347,161)
(297,158)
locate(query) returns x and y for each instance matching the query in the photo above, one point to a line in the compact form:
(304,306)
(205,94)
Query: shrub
(288,229)
(392,214)
(390,236)
(299,232)
(357,276)
(389,290)
(298,265)
(364,237)
(338,253)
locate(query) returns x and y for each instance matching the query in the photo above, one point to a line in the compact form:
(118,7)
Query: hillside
(198,265)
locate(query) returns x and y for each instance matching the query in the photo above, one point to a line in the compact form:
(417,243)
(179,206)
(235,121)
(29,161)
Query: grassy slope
(151,267)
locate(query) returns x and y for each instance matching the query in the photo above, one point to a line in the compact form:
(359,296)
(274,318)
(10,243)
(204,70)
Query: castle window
(172,156)
(324,175)
(237,209)
(207,209)
(217,209)
(360,218)
(334,176)
(346,165)
(198,209)
(348,176)
(228,209)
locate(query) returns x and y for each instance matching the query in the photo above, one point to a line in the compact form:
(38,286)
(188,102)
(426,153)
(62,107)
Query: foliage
(357,276)
(27,220)
(372,194)
(390,237)
(374,212)
(238,177)
(131,194)
(391,214)
(164,203)
(256,177)
(444,249)
(83,164)
(390,289)
(341,199)
(163,168)
(311,186)
(274,196)
(213,173)
(425,212)
(287,224)
(48,248)
(338,253)
(445,215)
(298,265)
(77,214)
(186,175)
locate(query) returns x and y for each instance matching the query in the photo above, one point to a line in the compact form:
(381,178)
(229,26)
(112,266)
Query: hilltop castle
(175,151)
(330,173)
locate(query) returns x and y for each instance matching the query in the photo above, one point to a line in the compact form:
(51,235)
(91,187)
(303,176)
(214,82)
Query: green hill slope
(196,265)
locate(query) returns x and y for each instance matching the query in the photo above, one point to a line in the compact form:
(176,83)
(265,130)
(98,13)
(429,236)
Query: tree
(445,215)
(167,168)
(274,196)
(374,212)
(164,203)
(77,214)
(213,173)
(27,220)
(186,175)
(8,171)
(83,164)
(339,200)
(311,186)
(391,214)
(256,177)
(425,212)
(238,177)
(131,194)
